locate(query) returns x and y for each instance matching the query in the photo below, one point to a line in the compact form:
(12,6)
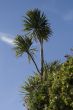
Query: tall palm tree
(36,25)
(23,45)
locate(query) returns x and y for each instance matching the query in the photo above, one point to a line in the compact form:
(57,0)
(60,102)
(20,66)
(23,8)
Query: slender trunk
(34,62)
(42,58)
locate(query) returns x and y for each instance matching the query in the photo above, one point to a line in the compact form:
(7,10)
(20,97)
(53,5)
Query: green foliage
(36,93)
(54,92)
(61,89)
(22,44)
(36,24)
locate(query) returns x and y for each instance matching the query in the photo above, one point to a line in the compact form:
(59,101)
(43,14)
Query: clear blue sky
(13,71)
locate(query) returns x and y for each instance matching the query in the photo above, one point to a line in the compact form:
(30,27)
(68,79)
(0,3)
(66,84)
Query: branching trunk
(34,62)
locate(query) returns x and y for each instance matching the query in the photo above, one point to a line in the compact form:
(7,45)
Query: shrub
(54,92)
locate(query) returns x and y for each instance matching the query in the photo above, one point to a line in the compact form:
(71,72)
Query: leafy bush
(61,89)
(54,92)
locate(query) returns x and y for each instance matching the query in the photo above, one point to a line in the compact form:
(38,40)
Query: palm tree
(23,45)
(36,25)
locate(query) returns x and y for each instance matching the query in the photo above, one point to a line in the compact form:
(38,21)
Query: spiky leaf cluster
(37,25)
(22,44)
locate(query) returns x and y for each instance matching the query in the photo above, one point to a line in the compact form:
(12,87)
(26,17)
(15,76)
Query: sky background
(14,71)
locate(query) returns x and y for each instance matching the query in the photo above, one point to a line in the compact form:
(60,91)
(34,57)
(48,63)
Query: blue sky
(14,71)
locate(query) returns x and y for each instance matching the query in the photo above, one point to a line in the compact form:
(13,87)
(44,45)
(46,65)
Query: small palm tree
(36,24)
(23,45)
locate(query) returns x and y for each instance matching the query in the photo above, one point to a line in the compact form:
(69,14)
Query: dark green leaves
(53,93)
(36,23)
(22,44)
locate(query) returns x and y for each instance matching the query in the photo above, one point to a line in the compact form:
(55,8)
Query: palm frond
(22,44)
(36,23)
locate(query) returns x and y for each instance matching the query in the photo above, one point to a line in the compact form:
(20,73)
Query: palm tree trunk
(34,62)
(42,57)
